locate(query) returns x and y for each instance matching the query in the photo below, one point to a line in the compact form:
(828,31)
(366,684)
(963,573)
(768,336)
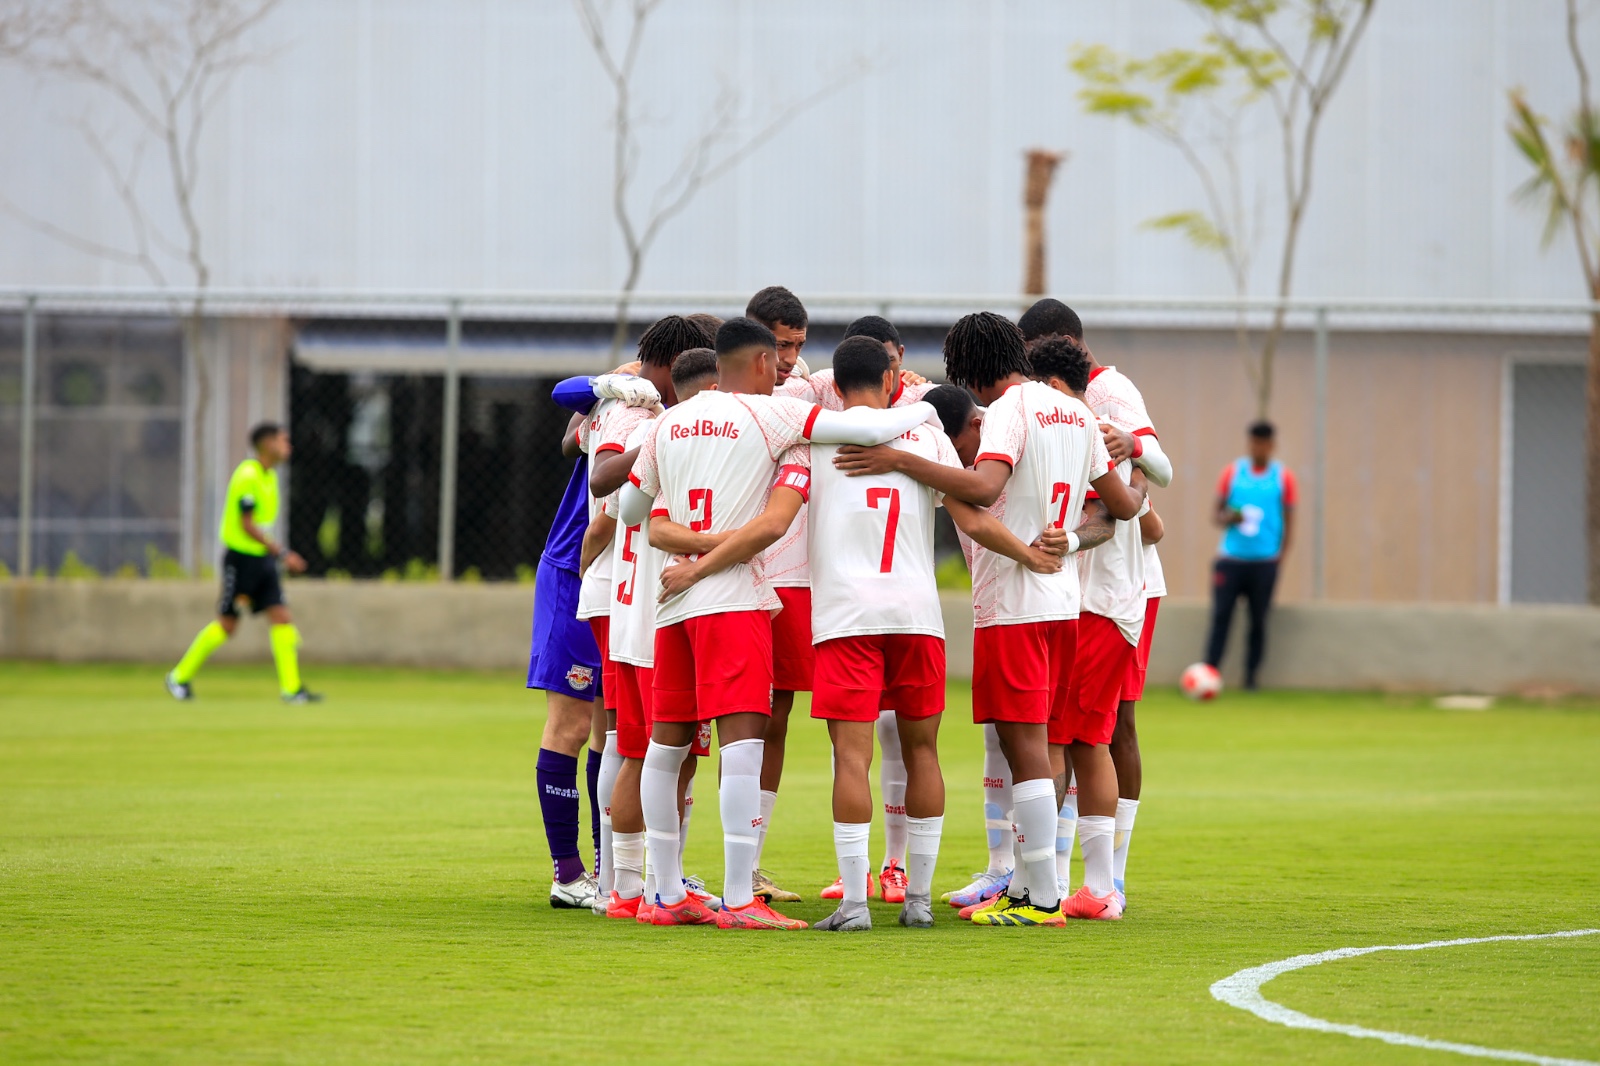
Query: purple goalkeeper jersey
(564,546)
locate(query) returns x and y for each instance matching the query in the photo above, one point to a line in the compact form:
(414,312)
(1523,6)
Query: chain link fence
(426,445)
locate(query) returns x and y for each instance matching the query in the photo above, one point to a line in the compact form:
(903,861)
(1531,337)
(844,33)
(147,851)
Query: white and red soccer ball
(1201,682)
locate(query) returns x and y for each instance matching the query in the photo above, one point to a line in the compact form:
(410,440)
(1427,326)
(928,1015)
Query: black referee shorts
(253,577)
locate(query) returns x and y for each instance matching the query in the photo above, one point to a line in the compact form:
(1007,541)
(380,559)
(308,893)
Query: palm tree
(1566,184)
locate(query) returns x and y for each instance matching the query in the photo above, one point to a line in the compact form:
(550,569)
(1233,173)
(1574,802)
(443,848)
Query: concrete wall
(1325,646)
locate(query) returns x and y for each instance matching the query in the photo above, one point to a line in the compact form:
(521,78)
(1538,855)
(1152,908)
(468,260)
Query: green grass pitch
(237,881)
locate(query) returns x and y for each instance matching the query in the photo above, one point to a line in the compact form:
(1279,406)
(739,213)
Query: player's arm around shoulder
(742,544)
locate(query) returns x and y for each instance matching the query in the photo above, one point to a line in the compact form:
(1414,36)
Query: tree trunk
(1035,194)
(1592,454)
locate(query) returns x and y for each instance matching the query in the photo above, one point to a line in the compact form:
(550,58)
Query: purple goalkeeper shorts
(564,657)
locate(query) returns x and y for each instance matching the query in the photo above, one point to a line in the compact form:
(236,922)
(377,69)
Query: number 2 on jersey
(699,500)
(874,497)
(1063,492)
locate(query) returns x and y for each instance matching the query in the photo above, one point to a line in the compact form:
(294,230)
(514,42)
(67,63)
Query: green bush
(951,573)
(162,566)
(75,569)
(525,574)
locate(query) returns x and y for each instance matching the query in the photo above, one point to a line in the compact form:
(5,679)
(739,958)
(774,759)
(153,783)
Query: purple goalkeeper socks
(557,777)
(593,772)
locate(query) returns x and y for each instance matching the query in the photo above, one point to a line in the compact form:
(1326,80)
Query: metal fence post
(447,450)
(1319,448)
(30,359)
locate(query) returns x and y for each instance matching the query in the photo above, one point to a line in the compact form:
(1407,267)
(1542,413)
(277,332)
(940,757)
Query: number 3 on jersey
(700,500)
(875,497)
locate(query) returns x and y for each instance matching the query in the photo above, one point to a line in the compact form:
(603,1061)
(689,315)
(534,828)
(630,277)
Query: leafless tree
(715,151)
(162,66)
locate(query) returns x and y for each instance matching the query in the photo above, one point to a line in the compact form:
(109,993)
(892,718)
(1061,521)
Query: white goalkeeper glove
(801,369)
(631,391)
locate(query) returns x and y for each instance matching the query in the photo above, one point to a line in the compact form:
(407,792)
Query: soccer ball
(1201,682)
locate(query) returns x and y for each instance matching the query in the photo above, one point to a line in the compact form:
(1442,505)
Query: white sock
(683,825)
(1066,829)
(658,795)
(649,877)
(892,780)
(741,816)
(1035,805)
(996,802)
(1127,810)
(610,764)
(922,855)
(628,849)
(1094,837)
(850,845)
(769,800)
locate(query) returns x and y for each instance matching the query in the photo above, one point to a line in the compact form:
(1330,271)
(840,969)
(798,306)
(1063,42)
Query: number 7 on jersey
(874,497)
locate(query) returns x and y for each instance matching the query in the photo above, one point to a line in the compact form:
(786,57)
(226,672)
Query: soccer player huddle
(755,530)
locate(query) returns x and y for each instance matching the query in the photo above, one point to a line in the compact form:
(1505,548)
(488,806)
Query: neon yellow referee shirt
(255,490)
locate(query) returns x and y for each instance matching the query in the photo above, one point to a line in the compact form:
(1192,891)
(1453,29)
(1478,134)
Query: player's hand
(629,368)
(1042,562)
(856,461)
(1053,541)
(1118,442)
(911,377)
(678,578)
(632,391)
(293,563)
(800,368)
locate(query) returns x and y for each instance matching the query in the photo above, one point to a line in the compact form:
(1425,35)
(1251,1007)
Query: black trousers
(1254,580)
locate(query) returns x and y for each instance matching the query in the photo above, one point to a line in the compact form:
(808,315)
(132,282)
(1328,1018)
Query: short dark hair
(776,306)
(1061,357)
(859,363)
(954,407)
(692,365)
(739,333)
(1263,429)
(877,327)
(668,336)
(708,322)
(983,348)
(261,431)
(1050,318)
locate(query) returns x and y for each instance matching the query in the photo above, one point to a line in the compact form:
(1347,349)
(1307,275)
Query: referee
(250,570)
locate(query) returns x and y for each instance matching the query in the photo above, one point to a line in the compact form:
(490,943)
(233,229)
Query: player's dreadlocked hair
(954,407)
(877,327)
(692,365)
(1061,357)
(1050,318)
(983,348)
(663,341)
(777,306)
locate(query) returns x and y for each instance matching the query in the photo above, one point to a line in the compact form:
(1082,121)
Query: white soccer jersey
(635,571)
(787,563)
(871,544)
(1113,574)
(1054,449)
(710,463)
(1112,395)
(602,433)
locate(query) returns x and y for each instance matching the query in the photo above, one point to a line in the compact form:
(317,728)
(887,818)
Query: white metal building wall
(463,145)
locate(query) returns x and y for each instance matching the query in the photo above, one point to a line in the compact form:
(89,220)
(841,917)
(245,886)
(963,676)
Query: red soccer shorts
(1104,655)
(633,709)
(859,676)
(1133,684)
(1020,671)
(794,660)
(601,625)
(713,665)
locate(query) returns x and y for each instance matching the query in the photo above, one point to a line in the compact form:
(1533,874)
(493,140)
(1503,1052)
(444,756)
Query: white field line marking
(1243,990)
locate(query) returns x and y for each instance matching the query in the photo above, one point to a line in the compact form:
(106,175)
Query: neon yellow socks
(285,652)
(205,642)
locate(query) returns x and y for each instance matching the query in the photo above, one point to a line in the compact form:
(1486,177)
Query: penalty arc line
(1243,990)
